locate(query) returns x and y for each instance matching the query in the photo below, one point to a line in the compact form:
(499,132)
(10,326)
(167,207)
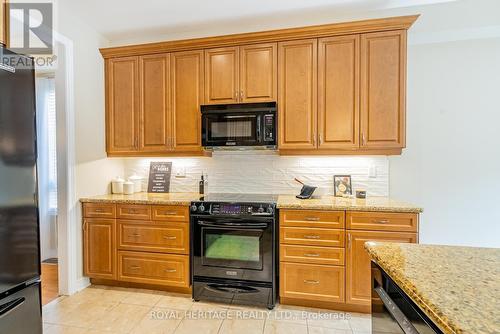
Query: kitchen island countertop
(457,287)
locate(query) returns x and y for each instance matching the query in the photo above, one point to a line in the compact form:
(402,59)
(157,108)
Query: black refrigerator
(20,306)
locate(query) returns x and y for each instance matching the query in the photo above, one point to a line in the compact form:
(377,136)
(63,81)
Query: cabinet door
(221,75)
(99,248)
(3,22)
(187,95)
(383,89)
(338,92)
(258,72)
(297,101)
(122,96)
(358,269)
(154,130)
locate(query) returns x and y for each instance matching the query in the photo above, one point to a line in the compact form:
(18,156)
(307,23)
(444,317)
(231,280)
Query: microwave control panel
(269,128)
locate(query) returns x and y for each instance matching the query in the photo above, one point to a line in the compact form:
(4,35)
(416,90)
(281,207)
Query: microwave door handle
(239,116)
(258,129)
(396,313)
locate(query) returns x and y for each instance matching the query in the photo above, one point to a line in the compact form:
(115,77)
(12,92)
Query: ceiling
(118,19)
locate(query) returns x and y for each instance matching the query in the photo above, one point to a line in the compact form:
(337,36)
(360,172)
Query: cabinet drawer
(99,210)
(171,213)
(312,236)
(161,269)
(312,254)
(312,282)
(382,221)
(312,218)
(154,237)
(131,211)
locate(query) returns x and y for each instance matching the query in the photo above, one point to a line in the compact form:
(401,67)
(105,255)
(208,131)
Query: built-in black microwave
(239,126)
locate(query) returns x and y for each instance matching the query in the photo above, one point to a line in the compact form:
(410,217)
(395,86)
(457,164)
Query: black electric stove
(233,249)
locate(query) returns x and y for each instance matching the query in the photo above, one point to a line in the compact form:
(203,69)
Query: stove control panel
(233,209)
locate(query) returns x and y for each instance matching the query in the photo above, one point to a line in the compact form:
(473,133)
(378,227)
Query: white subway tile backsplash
(267,172)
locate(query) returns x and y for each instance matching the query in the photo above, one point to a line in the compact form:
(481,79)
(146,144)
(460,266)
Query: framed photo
(342,185)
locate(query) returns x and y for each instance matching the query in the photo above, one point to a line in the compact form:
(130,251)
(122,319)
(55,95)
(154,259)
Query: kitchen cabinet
(99,248)
(340,88)
(4,21)
(297,94)
(258,73)
(187,82)
(383,90)
(241,74)
(338,92)
(154,125)
(153,104)
(222,75)
(358,275)
(136,243)
(122,117)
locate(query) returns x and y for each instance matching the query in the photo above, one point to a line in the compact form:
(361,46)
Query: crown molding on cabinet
(335,29)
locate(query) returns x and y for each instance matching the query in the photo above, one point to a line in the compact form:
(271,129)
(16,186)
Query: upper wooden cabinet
(297,101)
(258,73)
(241,74)
(4,21)
(383,90)
(187,95)
(222,75)
(340,88)
(338,92)
(154,126)
(122,81)
(153,104)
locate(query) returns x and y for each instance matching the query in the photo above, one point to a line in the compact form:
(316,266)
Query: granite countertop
(145,198)
(457,287)
(383,204)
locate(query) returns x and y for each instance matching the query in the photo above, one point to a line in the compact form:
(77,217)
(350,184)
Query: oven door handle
(230,289)
(227,224)
(396,313)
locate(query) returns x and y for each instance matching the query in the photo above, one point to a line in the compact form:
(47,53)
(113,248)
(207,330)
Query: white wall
(452,165)
(93,169)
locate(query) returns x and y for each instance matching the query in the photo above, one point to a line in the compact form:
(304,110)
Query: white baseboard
(81,284)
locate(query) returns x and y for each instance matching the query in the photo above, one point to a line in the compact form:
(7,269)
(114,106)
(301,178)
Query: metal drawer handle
(383,221)
(98,210)
(169,213)
(311,254)
(168,237)
(135,267)
(170,270)
(309,281)
(312,219)
(136,235)
(312,237)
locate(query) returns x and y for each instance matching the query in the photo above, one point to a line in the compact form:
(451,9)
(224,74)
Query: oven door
(232,248)
(231,129)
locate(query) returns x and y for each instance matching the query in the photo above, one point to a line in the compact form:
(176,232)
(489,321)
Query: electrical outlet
(372,171)
(180,173)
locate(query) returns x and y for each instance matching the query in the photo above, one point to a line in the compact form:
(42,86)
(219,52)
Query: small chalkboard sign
(159,177)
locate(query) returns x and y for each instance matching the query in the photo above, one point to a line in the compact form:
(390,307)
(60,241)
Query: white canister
(137,180)
(128,187)
(117,185)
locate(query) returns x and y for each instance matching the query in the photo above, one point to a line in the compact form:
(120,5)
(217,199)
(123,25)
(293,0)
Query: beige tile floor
(99,309)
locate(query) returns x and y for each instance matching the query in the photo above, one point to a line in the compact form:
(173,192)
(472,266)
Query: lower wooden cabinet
(358,269)
(312,282)
(150,246)
(99,248)
(157,269)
